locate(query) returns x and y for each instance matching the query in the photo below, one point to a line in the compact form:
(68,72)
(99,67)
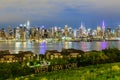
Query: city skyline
(59,13)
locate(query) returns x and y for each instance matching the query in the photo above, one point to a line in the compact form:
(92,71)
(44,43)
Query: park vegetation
(109,71)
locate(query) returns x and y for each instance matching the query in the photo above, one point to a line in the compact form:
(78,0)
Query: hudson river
(40,48)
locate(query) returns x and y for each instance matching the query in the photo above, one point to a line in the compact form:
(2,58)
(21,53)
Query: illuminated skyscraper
(28,25)
(66,30)
(28,28)
(103,26)
(83,29)
(17,35)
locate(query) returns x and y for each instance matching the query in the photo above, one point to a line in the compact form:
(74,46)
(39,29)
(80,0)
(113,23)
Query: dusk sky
(60,12)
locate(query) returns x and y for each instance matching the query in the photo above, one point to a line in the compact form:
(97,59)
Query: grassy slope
(109,71)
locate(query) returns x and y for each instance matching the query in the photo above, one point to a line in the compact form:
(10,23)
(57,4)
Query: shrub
(115,68)
(113,54)
(44,78)
(93,58)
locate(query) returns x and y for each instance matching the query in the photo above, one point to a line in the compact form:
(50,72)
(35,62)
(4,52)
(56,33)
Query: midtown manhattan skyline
(60,13)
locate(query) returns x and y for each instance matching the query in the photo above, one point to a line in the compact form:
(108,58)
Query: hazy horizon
(60,13)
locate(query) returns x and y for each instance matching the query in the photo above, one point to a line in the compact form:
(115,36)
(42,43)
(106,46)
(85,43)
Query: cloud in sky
(18,10)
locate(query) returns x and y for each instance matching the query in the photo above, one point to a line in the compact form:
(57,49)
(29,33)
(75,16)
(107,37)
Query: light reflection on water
(103,45)
(40,48)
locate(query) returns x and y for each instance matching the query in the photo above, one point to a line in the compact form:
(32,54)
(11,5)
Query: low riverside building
(70,53)
(53,54)
(25,56)
(20,57)
(8,58)
(74,55)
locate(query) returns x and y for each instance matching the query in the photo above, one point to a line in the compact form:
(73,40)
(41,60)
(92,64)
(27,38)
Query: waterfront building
(80,33)
(42,32)
(0,34)
(77,33)
(99,32)
(26,32)
(10,32)
(69,32)
(74,55)
(108,33)
(36,34)
(83,30)
(22,56)
(45,33)
(27,29)
(53,54)
(52,32)
(17,34)
(22,32)
(8,58)
(118,31)
(94,33)
(74,33)
(66,31)
(31,35)
(59,33)
(3,36)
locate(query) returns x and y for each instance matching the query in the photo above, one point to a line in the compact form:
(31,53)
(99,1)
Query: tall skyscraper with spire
(81,26)
(28,25)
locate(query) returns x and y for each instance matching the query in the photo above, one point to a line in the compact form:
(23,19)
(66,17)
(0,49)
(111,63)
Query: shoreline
(47,40)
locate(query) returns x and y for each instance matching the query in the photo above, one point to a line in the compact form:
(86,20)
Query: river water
(41,47)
